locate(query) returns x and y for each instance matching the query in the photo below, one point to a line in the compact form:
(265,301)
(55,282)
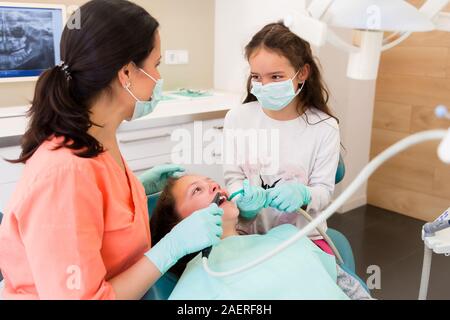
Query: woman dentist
(77,225)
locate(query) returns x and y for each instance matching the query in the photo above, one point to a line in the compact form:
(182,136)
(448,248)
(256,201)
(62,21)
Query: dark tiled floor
(392,242)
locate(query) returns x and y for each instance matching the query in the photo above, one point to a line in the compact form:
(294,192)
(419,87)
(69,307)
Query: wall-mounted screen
(29,39)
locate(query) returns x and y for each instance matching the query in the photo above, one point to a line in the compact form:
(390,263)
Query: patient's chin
(230,211)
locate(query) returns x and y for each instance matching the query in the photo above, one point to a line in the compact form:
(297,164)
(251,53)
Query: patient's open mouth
(219,198)
(222,199)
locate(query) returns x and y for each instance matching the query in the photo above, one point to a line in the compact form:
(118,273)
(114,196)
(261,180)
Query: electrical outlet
(177,57)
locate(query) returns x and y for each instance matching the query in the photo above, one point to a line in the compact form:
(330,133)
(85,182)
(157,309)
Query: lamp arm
(442,21)
(336,41)
(317,8)
(431,8)
(389,45)
(391,36)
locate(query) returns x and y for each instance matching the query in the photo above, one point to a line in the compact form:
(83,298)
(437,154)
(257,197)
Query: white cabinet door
(206,152)
(10,172)
(146,143)
(6,191)
(139,166)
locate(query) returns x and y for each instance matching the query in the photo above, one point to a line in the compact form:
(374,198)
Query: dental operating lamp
(372,18)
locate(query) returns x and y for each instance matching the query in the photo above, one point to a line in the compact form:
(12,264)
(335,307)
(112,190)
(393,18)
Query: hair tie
(64,67)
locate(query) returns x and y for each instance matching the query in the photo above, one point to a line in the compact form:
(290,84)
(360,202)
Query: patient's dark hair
(164,218)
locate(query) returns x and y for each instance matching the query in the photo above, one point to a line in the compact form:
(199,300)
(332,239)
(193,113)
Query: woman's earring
(127,85)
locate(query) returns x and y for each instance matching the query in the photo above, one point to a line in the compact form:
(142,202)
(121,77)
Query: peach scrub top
(71,225)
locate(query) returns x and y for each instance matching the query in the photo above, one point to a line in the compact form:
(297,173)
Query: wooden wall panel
(418,205)
(413,78)
(441,187)
(423,118)
(392,116)
(409,175)
(414,90)
(425,153)
(415,61)
(448,65)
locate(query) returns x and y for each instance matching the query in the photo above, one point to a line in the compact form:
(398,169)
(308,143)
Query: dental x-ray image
(27,40)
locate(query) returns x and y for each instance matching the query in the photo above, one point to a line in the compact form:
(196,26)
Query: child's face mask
(276,95)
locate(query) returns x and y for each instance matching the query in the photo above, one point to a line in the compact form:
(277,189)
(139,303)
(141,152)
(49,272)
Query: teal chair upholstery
(162,289)
(343,246)
(340,172)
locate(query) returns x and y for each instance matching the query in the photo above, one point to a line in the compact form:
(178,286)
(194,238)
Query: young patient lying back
(302,271)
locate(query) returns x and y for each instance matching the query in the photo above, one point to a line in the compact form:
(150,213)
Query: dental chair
(162,289)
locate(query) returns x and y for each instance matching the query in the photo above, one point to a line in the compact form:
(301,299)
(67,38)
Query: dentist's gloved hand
(289,197)
(252,201)
(200,230)
(155,178)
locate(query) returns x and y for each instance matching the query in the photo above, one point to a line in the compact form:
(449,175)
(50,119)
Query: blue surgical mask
(143,108)
(275,95)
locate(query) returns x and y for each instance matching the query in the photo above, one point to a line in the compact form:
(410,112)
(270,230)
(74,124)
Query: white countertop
(13,121)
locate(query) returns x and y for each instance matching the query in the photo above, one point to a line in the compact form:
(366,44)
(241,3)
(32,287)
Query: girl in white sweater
(286,108)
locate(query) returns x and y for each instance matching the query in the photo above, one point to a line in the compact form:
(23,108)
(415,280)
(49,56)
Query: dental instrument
(309,218)
(441,223)
(368,170)
(434,243)
(218,199)
(441,112)
(324,235)
(235,194)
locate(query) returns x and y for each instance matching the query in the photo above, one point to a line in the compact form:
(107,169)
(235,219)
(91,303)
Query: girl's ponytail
(54,111)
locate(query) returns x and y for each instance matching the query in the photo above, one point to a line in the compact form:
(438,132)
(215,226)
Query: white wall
(356,132)
(195,19)
(237,20)
(353,102)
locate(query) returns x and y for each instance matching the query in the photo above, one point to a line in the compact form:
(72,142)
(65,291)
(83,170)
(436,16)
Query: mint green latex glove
(252,201)
(200,230)
(155,178)
(289,197)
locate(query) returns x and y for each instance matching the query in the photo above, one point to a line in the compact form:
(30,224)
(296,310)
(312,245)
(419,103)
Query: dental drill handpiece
(207,251)
(442,222)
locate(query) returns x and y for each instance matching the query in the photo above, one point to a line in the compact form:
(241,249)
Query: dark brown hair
(278,38)
(112,34)
(164,218)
